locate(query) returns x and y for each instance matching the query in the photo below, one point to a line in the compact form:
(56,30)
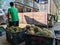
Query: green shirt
(14,13)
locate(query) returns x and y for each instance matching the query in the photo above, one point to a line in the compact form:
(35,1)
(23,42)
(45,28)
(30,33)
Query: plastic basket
(57,34)
(15,38)
(38,40)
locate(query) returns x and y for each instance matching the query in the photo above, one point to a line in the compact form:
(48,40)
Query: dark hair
(11,3)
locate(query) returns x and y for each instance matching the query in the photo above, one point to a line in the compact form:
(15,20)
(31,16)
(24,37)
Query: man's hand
(8,16)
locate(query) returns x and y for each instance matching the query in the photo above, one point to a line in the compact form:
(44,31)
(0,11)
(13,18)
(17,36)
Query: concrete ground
(56,26)
(3,38)
(3,41)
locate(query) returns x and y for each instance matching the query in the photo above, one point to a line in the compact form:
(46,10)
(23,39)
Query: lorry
(38,12)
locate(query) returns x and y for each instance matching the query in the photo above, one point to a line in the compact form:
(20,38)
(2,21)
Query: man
(13,12)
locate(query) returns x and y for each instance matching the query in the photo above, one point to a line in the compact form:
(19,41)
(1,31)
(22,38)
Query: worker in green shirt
(13,12)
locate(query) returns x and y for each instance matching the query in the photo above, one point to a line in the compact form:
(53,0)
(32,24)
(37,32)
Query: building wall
(49,7)
(52,8)
(28,6)
(20,8)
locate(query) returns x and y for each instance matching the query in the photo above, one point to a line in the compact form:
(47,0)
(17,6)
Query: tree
(1,3)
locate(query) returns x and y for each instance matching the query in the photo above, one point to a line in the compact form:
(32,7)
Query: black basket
(38,40)
(57,42)
(57,32)
(15,38)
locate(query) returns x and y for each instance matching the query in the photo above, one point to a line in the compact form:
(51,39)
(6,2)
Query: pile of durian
(34,30)
(14,29)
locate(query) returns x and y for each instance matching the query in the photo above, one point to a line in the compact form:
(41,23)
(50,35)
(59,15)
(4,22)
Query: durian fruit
(45,29)
(14,29)
(30,32)
(17,29)
(40,32)
(45,33)
(36,29)
(11,30)
(50,33)
(28,26)
(33,26)
(39,29)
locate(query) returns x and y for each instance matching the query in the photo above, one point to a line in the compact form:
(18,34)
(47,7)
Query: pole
(33,11)
(14,2)
(49,11)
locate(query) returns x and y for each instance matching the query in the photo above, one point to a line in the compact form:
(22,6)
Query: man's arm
(8,14)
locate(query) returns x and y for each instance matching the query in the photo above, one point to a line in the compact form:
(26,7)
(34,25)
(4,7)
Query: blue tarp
(40,0)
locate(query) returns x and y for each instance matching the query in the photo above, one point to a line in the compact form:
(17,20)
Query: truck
(38,12)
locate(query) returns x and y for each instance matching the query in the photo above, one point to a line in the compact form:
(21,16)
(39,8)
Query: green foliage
(1,3)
